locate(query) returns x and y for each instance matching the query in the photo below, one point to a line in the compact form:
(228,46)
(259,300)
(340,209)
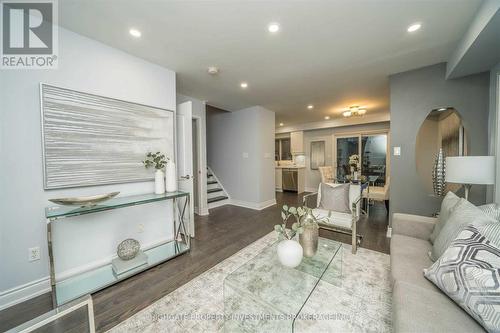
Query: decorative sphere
(290,253)
(128,249)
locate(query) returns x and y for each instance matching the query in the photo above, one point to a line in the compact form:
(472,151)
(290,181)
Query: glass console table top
(101,277)
(55,212)
(263,295)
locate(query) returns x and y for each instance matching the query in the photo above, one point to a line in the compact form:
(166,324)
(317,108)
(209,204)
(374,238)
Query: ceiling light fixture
(310,106)
(273,27)
(135,33)
(212,70)
(327,117)
(442,109)
(354,111)
(281,124)
(244,85)
(414,27)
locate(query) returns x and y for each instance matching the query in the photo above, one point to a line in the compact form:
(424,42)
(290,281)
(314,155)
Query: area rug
(360,303)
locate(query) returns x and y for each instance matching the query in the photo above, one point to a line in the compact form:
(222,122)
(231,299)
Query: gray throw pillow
(492,232)
(463,214)
(335,198)
(449,202)
(468,272)
(492,210)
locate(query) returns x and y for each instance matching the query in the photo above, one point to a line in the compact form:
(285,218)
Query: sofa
(418,305)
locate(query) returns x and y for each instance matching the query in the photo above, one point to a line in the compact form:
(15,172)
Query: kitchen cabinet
(297,142)
(278,175)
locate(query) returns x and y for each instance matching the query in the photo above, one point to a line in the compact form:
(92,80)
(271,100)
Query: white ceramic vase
(290,253)
(171,178)
(159,182)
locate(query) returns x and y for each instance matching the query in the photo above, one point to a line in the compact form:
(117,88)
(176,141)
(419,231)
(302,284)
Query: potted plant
(158,161)
(289,251)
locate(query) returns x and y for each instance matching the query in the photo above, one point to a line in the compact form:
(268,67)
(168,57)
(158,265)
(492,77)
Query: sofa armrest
(413,225)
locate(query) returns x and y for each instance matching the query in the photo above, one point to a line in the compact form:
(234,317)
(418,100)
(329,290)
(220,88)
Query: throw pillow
(492,232)
(492,210)
(335,198)
(463,214)
(449,202)
(468,272)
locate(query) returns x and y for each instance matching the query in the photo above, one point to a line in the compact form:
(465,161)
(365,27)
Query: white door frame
(201,176)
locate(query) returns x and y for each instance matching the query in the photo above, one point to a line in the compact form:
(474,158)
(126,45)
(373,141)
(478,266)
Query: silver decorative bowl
(128,249)
(84,201)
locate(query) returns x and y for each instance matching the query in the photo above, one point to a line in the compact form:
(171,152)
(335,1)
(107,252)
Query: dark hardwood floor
(225,231)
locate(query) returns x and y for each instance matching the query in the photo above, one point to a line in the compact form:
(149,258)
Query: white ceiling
(328,53)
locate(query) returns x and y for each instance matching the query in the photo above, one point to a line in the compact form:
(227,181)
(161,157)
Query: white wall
(199,110)
(240,150)
(87,66)
(313,177)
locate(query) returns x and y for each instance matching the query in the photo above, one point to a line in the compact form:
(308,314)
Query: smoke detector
(212,70)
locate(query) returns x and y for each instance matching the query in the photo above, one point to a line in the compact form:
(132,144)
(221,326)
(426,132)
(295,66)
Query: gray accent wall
(494,128)
(80,242)
(240,150)
(413,95)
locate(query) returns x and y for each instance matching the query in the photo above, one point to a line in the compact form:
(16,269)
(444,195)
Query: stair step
(219,198)
(209,175)
(212,190)
(210,182)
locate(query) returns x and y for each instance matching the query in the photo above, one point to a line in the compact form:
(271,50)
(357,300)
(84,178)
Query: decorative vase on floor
(290,253)
(309,240)
(171,183)
(159,182)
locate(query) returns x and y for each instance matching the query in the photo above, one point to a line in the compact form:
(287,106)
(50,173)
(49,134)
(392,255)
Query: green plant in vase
(158,161)
(286,214)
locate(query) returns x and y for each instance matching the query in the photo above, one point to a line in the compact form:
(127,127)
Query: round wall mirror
(443,129)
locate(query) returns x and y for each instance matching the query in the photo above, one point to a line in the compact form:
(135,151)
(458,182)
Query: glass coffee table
(264,296)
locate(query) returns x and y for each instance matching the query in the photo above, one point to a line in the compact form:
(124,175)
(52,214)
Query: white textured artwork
(93,140)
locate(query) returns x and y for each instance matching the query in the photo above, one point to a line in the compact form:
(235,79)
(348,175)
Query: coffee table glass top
(265,294)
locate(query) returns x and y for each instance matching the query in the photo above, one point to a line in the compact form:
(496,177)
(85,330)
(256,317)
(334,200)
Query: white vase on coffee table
(290,253)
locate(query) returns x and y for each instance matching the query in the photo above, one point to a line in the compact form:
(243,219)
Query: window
(282,149)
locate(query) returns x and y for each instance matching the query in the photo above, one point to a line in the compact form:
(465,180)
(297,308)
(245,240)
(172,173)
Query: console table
(103,276)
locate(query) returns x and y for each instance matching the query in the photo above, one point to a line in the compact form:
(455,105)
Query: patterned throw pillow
(492,210)
(335,198)
(463,214)
(449,202)
(469,273)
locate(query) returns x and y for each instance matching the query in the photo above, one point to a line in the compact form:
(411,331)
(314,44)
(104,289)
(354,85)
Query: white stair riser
(216,194)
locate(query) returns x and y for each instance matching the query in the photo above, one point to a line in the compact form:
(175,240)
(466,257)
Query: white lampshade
(470,169)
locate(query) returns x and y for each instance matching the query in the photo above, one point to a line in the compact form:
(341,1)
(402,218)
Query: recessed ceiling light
(310,106)
(212,70)
(281,124)
(414,27)
(244,85)
(135,33)
(273,27)
(327,117)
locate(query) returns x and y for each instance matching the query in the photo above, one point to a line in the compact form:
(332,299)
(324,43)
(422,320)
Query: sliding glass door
(346,146)
(372,150)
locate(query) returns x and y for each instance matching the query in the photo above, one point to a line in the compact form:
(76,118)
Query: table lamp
(469,170)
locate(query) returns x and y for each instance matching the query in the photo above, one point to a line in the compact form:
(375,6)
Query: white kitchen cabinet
(278,175)
(297,142)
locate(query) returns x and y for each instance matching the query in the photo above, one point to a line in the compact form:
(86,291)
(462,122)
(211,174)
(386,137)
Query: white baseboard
(203,211)
(389,232)
(311,189)
(35,288)
(24,292)
(253,205)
